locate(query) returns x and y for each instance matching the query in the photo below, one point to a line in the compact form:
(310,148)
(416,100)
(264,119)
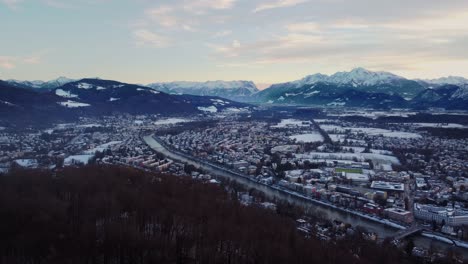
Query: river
(325,211)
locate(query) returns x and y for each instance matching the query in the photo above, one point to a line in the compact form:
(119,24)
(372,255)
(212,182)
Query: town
(393,173)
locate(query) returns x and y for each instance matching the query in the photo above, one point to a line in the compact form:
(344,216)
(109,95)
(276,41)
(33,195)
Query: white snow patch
(211,109)
(73,104)
(84,86)
(65,94)
(77,159)
(171,121)
(101,148)
(292,123)
(27,163)
(309,137)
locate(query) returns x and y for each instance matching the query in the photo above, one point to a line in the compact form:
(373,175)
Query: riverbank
(282,193)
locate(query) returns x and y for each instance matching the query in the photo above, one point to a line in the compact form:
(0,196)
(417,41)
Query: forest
(109,214)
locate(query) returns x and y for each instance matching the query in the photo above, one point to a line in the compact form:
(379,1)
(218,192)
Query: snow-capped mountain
(362,80)
(454,80)
(356,77)
(96,97)
(236,90)
(364,88)
(52,84)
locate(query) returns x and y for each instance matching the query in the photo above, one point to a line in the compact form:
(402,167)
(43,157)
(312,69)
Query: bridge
(408,232)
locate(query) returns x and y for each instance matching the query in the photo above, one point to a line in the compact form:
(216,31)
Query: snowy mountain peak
(225,89)
(52,84)
(358,76)
(454,80)
(209,85)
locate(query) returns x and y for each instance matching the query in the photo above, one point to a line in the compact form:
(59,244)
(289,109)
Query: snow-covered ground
(219,102)
(78,159)
(337,137)
(73,104)
(27,163)
(441,125)
(370,131)
(171,121)
(376,158)
(309,137)
(90,125)
(65,94)
(210,109)
(101,148)
(84,86)
(292,123)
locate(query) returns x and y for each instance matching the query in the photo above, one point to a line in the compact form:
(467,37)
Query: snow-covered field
(73,104)
(65,94)
(441,125)
(101,148)
(370,131)
(90,125)
(376,158)
(309,137)
(171,121)
(292,123)
(210,109)
(27,163)
(78,159)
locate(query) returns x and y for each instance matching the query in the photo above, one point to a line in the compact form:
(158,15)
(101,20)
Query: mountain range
(356,88)
(363,88)
(96,97)
(235,90)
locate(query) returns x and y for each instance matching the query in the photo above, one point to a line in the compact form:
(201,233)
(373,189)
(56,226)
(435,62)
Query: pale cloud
(12,4)
(163,16)
(7,62)
(236,44)
(306,27)
(146,37)
(32,60)
(278,4)
(201,6)
(223,33)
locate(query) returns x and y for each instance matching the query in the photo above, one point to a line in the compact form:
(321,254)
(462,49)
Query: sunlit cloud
(144,37)
(277,4)
(7,62)
(200,6)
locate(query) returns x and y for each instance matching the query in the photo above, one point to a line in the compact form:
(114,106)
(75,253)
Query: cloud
(32,60)
(278,4)
(7,62)
(305,27)
(236,44)
(145,37)
(223,33)
(162,15)
(12,4)
(200,6)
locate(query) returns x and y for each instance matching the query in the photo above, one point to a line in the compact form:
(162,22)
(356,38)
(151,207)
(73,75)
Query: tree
(409,247)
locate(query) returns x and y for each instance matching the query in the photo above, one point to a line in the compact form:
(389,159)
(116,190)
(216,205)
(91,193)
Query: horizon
(264,41)
(260,86)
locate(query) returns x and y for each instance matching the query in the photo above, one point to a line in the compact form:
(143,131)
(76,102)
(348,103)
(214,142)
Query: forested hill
(118,215)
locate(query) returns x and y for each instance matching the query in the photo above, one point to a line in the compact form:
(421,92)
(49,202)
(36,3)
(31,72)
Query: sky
(266,41)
